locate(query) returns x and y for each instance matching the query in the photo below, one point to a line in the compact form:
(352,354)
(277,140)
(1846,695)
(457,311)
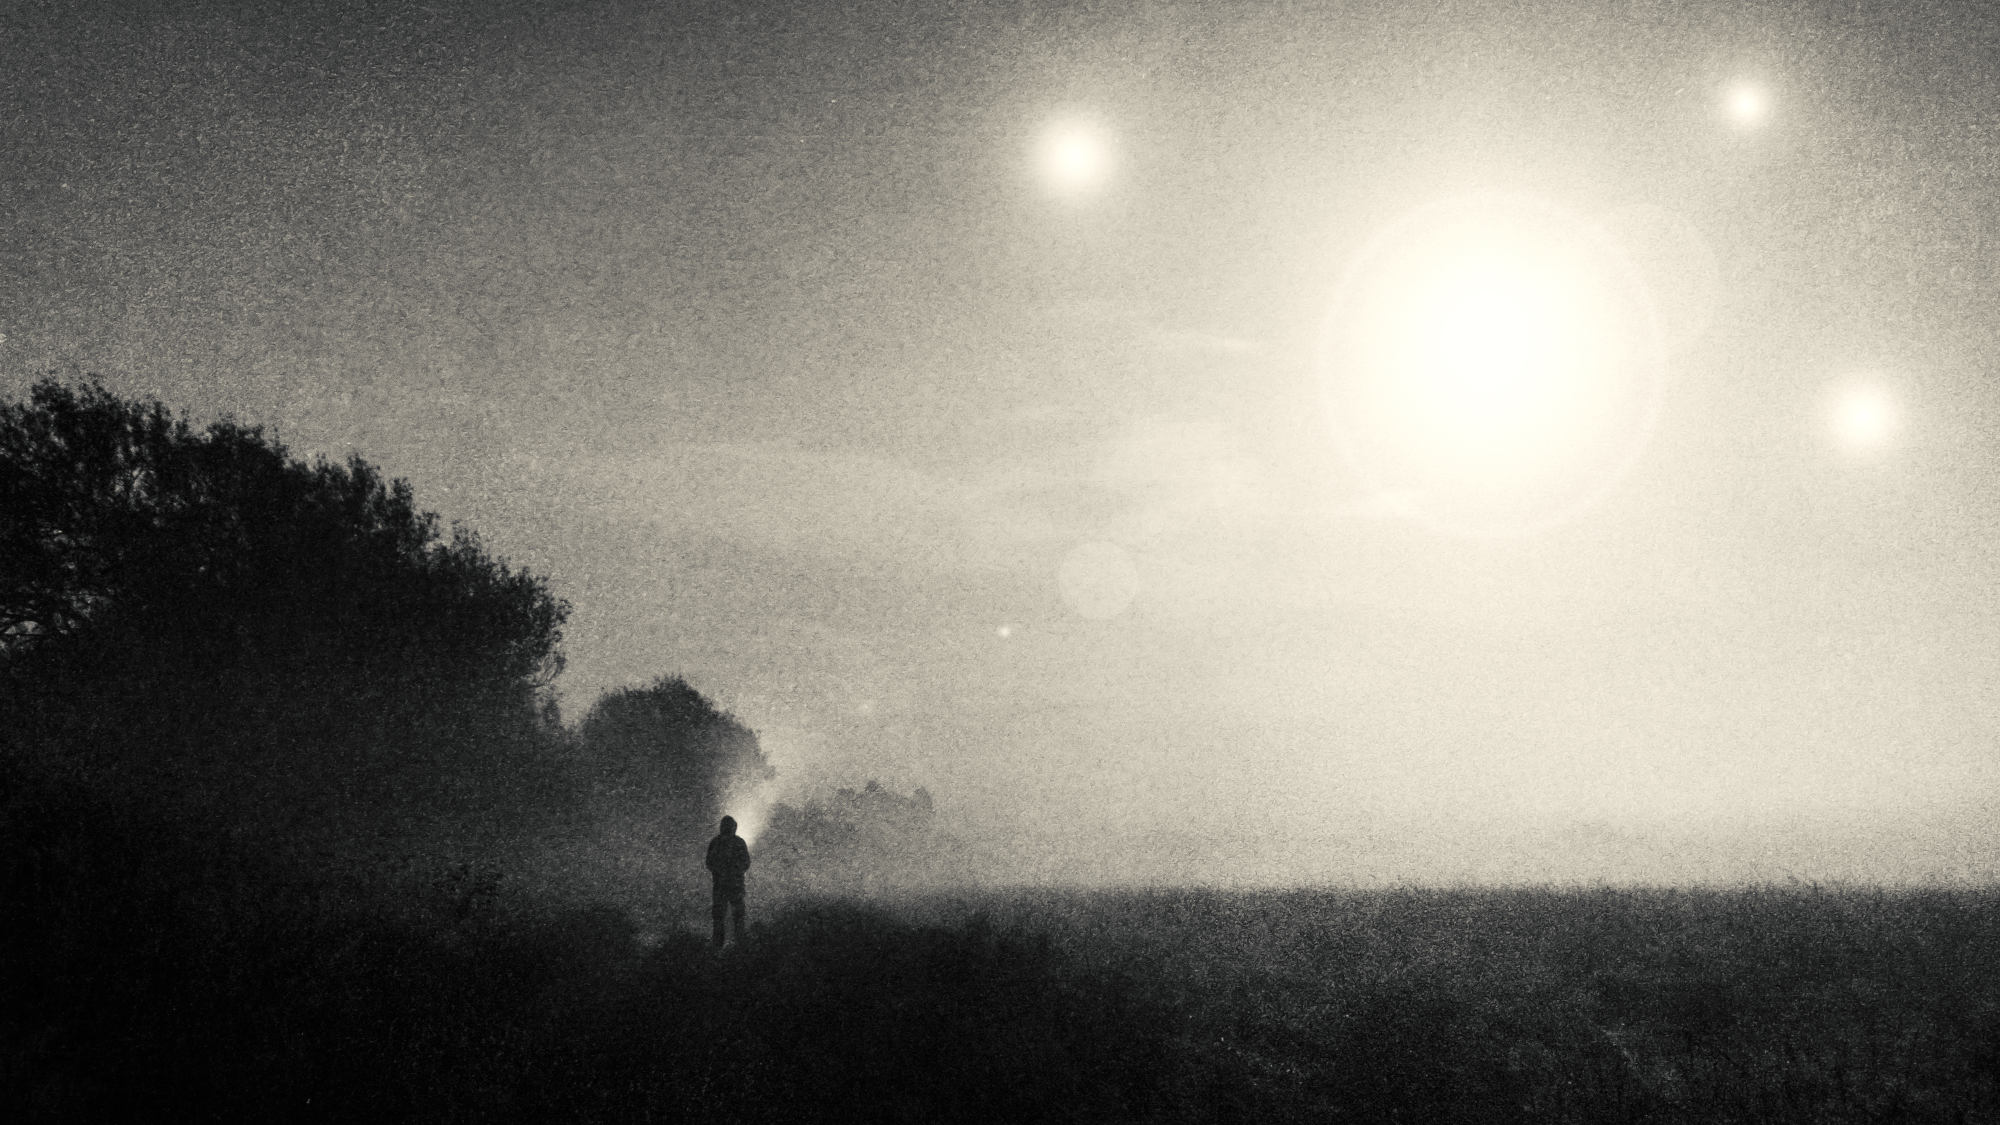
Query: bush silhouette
(852,842)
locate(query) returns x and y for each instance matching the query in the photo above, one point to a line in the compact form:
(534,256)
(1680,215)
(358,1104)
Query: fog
(1244,447)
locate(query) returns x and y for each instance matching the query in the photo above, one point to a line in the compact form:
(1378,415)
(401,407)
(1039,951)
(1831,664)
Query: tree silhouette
(664,751)
(118,515)
(203,620)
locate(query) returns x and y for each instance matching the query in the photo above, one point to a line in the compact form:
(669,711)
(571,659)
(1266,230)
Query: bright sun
(1487,344)
(1493,358)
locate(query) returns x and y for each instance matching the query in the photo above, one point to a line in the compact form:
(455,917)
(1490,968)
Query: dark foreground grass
(1772,1004)
(309,1002)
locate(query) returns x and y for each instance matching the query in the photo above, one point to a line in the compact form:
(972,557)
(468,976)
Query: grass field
(1791,1003)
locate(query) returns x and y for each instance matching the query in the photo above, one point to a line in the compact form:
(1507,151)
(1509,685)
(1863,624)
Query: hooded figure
(728,859)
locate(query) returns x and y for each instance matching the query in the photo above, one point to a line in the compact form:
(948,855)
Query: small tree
(661,763)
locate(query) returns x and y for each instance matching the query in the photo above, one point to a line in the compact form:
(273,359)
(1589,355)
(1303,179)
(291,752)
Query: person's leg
(736,909)
(715,911)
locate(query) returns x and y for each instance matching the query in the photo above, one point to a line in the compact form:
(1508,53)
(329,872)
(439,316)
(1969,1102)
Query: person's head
(729,826)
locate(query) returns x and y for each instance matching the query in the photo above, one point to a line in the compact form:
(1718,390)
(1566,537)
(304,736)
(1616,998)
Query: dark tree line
(197,627)
(199,622)
(273,747)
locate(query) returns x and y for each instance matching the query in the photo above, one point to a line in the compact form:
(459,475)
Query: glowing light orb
(1864,417)
(1494,360)
(1074,157)
(751,816)
(1747,104)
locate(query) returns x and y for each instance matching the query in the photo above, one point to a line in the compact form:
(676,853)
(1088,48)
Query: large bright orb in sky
(1863,416)
(1073,157)
(1494,361)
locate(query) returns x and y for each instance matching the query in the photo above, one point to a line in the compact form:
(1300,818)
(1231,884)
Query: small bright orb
(1073,157)
(1004,631)
(1747,104)
(1864,417)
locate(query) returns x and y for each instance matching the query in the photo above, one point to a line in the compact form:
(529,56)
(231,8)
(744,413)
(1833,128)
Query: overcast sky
(1014,399)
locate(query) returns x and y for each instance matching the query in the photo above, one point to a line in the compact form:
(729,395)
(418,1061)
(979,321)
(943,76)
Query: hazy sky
(1202,440)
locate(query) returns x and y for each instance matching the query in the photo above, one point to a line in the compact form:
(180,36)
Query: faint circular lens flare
(1073,157)
(1493,360)
(1747,103)
(1864,417)
(1098,580)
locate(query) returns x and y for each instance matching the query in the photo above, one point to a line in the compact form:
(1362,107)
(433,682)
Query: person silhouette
(728,859)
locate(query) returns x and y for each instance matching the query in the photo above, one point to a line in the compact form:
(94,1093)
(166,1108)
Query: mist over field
(294,825)
(1370,442)
(1261,561)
